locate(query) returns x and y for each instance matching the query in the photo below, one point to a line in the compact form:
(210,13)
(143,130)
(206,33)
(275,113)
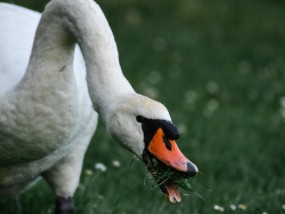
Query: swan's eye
(140,119)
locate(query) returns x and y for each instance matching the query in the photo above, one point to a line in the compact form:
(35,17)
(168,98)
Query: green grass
(219,67)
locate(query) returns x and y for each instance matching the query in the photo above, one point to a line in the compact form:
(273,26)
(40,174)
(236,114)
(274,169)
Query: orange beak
(168,152)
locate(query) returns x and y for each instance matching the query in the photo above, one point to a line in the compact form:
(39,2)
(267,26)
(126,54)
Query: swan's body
(38,127)
(47,115)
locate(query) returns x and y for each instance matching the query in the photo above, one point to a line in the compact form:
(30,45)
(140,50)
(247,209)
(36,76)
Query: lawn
(219,67)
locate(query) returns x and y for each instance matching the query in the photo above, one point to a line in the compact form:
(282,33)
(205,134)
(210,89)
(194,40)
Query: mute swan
(48,97)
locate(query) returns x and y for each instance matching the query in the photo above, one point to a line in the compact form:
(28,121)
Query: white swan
(46,105)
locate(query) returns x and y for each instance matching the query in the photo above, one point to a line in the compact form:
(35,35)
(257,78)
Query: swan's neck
(66,22)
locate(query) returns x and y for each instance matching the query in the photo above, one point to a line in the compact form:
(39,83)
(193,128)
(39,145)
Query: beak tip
(192,169)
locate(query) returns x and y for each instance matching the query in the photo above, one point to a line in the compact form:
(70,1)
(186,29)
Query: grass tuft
(163,174)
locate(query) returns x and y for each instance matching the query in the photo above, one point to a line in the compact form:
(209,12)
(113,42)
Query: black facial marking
(170,130)
(150,127)
(167,143)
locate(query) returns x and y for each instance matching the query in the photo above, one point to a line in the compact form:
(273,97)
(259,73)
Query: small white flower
(245,67)
(283,206)
(282,102)
(190,97)
(233,207)
(282,109)
(151,92)
(242,206)
(116,163)
(218,208)
(100,166)
(133,16)
(154,77)
(212,87)
(264,212)
(88,172)
(211,107)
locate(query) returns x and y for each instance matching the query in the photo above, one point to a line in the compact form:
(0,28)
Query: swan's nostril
(192,170)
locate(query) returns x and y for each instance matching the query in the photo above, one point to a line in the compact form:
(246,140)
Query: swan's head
(144,126)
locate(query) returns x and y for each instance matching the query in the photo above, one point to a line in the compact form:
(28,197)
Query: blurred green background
(219,67)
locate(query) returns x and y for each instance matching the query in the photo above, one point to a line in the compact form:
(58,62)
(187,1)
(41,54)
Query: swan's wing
(17,27)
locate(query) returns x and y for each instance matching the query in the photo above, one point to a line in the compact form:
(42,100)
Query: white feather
(46,105)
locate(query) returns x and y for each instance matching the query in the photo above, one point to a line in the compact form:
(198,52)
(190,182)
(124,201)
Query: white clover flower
(116,163)
(283,206)
(100,166)
(212,87)
(264,212)
(282,102)
(211,107)
(154,77)
(151,92)
(242,206)
(233,207)
(133,16)
(218,208)
(190,97)
(244,67)
(88,172)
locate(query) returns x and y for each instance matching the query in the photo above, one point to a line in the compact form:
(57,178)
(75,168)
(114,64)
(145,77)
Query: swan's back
(23,156)
(19,25)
